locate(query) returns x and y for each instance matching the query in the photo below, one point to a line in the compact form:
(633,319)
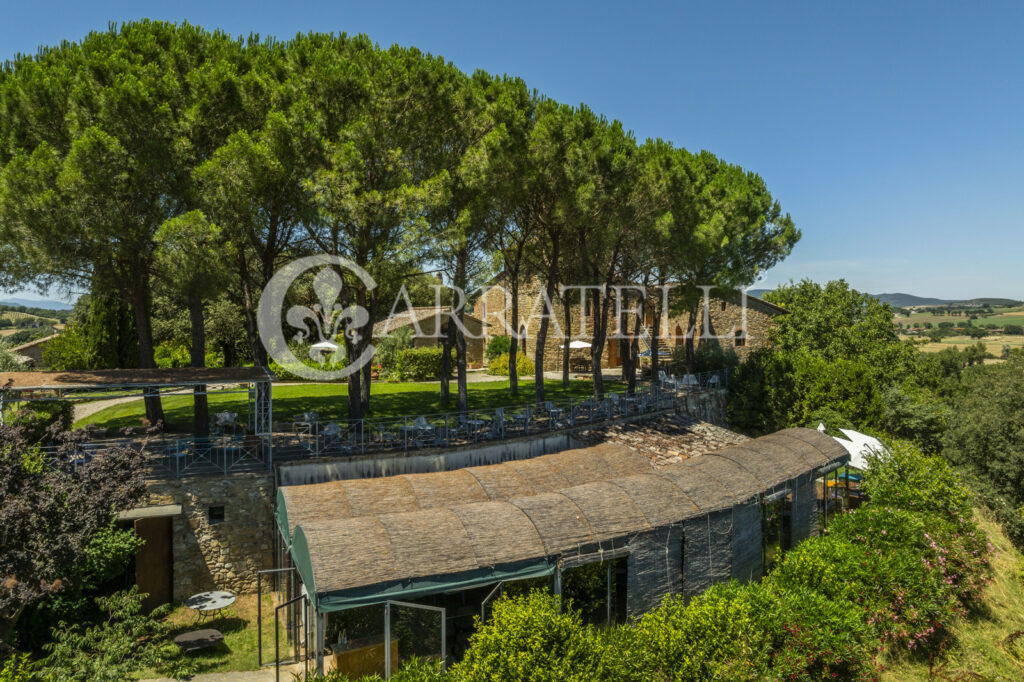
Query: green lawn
(330,401)
(238,625)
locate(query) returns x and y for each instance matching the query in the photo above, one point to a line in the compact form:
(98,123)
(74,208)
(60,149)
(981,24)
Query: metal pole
(259,620)
(320,643)
(609,596)
(387,641)
(444,640)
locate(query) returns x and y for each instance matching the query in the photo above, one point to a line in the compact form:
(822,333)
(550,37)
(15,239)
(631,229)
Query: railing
(304,436)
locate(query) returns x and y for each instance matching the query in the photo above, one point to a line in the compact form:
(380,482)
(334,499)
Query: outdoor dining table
(209,604)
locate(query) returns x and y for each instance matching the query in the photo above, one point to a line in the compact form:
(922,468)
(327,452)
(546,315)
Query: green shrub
(497,346)
(168,355)
(528,639)
(390,345)
(301,351)
(709,356)
(37,417)
(906,478)
(499,365)
(16,669)
(421,364)
(715,636)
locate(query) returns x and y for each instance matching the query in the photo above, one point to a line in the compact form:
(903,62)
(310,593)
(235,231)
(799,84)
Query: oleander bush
(889,579)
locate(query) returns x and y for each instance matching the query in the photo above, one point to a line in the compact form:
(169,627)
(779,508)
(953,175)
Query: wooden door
(154,562)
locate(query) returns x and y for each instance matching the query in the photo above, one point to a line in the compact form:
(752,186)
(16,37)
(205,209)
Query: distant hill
(30,303)
(908,300)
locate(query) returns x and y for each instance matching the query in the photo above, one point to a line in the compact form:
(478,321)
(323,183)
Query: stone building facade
(729,323)
(424,324)
(217,536)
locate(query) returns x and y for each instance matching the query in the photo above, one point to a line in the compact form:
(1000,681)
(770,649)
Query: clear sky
(892,132)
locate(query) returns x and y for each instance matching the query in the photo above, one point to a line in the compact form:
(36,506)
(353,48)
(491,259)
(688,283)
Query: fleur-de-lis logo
(325,324)
(327,318)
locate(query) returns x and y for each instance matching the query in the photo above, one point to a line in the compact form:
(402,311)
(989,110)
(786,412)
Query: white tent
(859,446)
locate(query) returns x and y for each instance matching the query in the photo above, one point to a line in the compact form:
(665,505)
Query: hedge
(421,364)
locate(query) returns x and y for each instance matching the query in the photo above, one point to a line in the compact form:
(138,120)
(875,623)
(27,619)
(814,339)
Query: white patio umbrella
(320,351)
(579,344)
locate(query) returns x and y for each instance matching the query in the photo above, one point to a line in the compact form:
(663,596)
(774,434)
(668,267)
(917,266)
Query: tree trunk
(459,336)
(655,338)
(200,410)
(597,345)
(634,348)
(365,339)
(259,353)
(567,332)
(513,348)
(140,308)
(460,363)
(446,362)
(691,332)
(541,342)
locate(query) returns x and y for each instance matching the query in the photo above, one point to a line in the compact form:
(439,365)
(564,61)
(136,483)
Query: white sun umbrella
(320,351)
(579,344)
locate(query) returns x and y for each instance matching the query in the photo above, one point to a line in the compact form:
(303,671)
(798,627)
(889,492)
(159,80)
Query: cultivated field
(1001,316)
(993,345)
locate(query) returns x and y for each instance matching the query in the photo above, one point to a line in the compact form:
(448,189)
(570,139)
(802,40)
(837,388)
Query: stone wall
(742,330)
(224,555)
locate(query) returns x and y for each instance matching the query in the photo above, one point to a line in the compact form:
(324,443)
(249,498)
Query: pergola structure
(363,542)
(81,385)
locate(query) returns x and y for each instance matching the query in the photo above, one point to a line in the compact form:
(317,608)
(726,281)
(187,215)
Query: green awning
(408,589)
(281,517)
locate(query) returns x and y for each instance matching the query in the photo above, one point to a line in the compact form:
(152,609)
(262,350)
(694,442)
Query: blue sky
(892,132)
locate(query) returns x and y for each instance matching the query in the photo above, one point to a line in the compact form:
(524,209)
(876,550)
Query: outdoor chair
(423,432)
(332,436)
(553,411)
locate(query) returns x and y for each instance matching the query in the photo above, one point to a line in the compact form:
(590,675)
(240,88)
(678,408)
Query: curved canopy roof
(339,500)
(348,560)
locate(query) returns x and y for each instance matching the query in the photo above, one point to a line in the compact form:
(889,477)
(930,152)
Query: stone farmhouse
(735,322)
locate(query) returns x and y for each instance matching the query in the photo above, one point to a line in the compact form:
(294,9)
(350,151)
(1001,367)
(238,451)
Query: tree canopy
(392,158)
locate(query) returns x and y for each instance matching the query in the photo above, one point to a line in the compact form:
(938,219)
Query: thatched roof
(118,378)
(339,500)
(346,552)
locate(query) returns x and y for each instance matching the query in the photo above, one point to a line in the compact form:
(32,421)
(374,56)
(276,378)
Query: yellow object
(366,660)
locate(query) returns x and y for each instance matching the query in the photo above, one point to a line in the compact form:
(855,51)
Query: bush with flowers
(890,578)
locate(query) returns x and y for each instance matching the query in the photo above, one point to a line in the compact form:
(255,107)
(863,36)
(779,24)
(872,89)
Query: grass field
(14,316)
(237,623)
(994,346)
(985,647)
(330,401)
(1001,316)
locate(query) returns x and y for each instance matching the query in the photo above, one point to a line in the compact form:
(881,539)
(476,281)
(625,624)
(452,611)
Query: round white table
(207,604)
